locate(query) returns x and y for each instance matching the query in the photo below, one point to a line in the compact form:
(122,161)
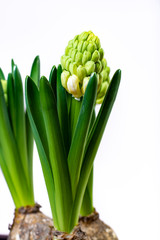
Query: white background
(127,166)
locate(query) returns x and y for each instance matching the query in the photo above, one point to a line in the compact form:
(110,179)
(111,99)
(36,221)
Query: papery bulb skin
(95,229)
(30,223)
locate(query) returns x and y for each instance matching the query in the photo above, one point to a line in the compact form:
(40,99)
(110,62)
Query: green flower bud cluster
(4,87)
(82,57)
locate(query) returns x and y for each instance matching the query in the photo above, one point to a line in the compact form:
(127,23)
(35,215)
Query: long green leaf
(38,128)
(77,148)
(35,70)
(60,171)
(11,102)
(12,65)
(20,133)
(10,152)
(53,80)
(95,138)
(63,111)
(87,204)
(2,75)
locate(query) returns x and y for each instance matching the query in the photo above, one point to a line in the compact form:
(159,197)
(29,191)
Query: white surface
(127,166)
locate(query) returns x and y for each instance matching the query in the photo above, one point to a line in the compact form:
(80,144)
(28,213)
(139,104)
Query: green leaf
(58,160)
(38,128)
(20,131)
(11,102)
(8,179)
(29,140)
(93,143)
(2,75)
(77,148)
(63,111)
(12,65)
(53,80)
(87,204)
(35,70)
(10,152)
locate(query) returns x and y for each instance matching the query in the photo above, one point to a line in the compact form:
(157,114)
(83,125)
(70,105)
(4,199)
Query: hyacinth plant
(16,139)
(66,130)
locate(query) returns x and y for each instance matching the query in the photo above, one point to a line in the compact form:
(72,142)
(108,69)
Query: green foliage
(16,140)
(67,134)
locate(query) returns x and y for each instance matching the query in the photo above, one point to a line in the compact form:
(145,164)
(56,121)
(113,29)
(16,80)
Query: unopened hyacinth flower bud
(82,57)
(4,87)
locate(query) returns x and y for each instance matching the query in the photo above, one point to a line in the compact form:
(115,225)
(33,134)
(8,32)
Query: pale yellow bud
(73,86)
(64,78)
(85,83)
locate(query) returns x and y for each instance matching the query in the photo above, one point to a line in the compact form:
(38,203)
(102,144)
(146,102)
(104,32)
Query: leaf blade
(35,70)
(10,151)
(63,111)
(53,80)
(37,124)
(75,156)
(93,143)
(60,171)
(2,74)
(20,131)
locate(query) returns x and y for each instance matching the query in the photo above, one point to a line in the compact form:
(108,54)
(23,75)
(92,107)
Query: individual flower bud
(104,63)
(75,38)
(108,69)
(90,67)
(83,36)
(99,100)
(81,72)
(104,75)
(98,67)
(86,57)
(73,54)
(84,47)
(70,44)
(99,82)
(84,86)
(78,58)
(64,78)
(103,89)
(75,44)
(63,60)
(101,53)
(80,45)
(67,63)
(95,56)
(91,47)
(91,36)
(67,51)
(97,41)
(73,68)
(73,86)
